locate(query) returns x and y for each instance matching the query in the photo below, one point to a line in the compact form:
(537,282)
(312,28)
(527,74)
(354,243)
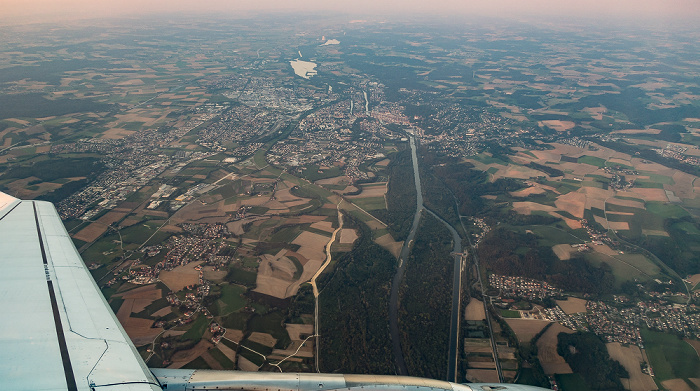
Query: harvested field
(296,331)
(676,385)
(549,156)
(234,335)
(91,232)
(654,232)
(210,274)
(383,163)
(97,228)
(227,351)
(631,357)
(323,226)
(163,312)
(649,194)
(374,190)
(198,212)
(180,277)
(694,279)
(578,169)
(604,249)
(283,195)
(474,310)
(183,357)
(307,350)
(211,361)
(695,344)
(558,125)
(573,224)
(305,219)
(527,207)
(564,251)
(551,361)
(276,273)
(601,220)
(236,227)
(312,245)
(117,134)
(483,365)
(618,225)
(245,365)
(338,180)
(637,131)
(275,277)
(528,191)
(348,236)
(683,185)
(482,376)
(628,203)
(572,305)
(138,329)
(263,339)
(573,203)
(387,241)
(526,329)
(515,171)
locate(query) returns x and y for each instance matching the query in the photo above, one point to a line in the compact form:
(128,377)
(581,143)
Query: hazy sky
(20,10)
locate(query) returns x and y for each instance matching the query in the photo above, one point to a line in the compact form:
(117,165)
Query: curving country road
(318,273)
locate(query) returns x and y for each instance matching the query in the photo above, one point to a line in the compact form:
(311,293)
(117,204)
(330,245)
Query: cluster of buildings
(484,229)
(572,321)
(597,237)
(240,124)
(332,136)
(524,288)
(677,152)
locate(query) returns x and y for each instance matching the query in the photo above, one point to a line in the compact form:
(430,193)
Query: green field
(241,276)
(509,313)
(225,362)
(626,267)
(231,299)
(197,363)
(271,323)
(197,329)
(670,356)
(592,160)
(370,203)
(669,211)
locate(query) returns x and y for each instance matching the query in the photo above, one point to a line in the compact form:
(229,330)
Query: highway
(453,347)
(403,257)
(396,283)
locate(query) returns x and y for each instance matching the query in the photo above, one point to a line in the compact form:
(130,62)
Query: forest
(425,298)
(400,197)
(354,309)
(513,254)
(587,355)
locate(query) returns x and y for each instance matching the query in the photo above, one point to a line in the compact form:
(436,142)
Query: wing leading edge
(57,332)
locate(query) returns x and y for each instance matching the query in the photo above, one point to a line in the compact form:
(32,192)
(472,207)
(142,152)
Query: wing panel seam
(65,357)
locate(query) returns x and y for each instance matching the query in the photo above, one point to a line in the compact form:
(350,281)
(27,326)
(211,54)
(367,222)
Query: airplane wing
(57,332)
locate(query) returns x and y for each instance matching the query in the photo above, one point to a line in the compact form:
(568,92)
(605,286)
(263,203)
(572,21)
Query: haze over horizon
(19,11)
